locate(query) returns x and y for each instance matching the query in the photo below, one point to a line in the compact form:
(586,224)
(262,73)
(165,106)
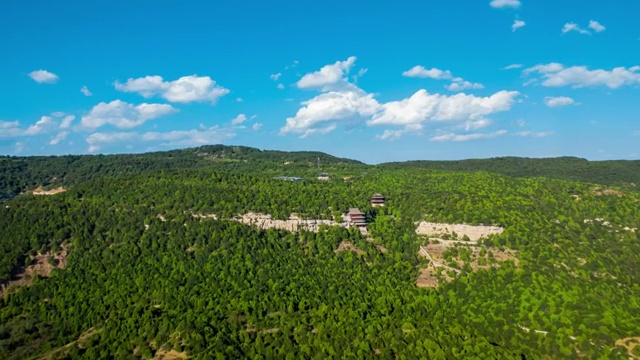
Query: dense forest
(154,262)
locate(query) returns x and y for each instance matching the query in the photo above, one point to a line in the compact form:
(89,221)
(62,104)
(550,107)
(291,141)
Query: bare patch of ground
(630,343)
(41,191)
(39,266)
(347,246)
(80,343)
(601,192)
(457,231)
(293,224)
(205,216)
(170,355)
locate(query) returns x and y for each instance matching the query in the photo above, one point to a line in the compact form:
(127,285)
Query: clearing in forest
(347,246)
(601,192)
(170,355)
(441,230)
(39,266)
(632,344)
(41,191)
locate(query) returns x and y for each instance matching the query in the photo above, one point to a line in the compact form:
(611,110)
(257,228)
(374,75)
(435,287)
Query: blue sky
(376,81)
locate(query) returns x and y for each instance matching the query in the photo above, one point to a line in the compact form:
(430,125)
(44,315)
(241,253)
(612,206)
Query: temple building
(377,200)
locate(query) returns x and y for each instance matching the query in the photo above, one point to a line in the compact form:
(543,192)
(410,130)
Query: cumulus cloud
(349,104)
(505,3)
(186,89)
(512,67)
(66,122)
(517,24)
(239,119)
(468,137)
(58,138)
(423,107)
(557,75)
(328,108)
(276,76)
(460,84)
(45,124)
(43,77)
(596,26)
(457,83)
(328,76)
(280,86)
(256,126)
(124,115)
(420,71)
(85,91)
(533,134)
(569,27)
(551,101)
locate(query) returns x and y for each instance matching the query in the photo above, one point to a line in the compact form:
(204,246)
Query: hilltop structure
(377,200)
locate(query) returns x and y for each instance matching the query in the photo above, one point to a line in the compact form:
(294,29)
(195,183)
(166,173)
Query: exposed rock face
(41,191)
(294,223)
(474,233)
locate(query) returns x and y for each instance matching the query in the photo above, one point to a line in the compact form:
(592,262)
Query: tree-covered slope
(144,275)
(614,172)
(21,174)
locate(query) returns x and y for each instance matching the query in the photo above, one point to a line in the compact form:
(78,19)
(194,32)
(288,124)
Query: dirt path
(82,340)
(437,264)
(630,344)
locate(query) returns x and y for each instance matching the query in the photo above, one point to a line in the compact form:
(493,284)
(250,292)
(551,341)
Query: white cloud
(45,124)
(43,77)
(512,67)
(460,84)
(280,86)
(423,107)
(58,114)
(477,124)
(201,136)
(360,73)
(533,134)
(10,129)
(124,115)
(239,119)
(328,76)
(97,140)
(551,101)
(556,75)
(61,136)
(457,83)
(85,91)
(569,27)
(468,137)
(596,26)
(256,126)
(276,76)
(318,131)
(505,3)
(419,71)
(186,89)
(330,107)
(66,122)
(391,134)
(212,135)
(520,123)
(239,100)
(517,24)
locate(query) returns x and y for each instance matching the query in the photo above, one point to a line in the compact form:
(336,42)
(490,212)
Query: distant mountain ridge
(609,172)
(22,174)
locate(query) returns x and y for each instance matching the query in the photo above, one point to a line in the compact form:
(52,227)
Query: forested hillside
(616,172)
(154,263)
(21,174)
